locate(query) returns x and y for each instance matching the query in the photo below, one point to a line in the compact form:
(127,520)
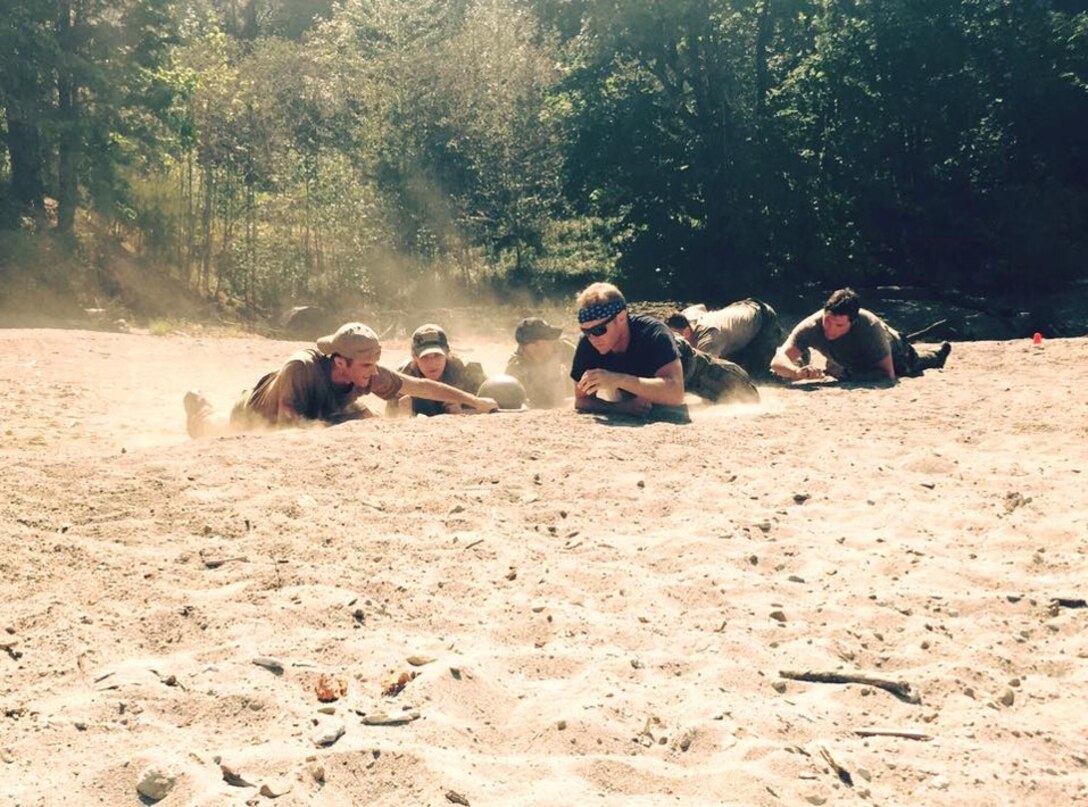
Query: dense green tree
(923,142)
(664,99)
(79,93)
(274,150)
(492,138)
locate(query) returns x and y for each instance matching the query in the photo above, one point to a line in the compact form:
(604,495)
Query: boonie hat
(533,329)
(429,339)
(352,340)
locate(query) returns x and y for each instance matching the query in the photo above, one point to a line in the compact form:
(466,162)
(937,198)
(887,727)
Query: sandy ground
(595,613)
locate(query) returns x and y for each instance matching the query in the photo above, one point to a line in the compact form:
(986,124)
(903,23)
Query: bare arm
(665,387)
(787,364)
(437,391)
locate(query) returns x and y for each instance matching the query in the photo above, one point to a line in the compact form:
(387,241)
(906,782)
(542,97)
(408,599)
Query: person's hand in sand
(602,382)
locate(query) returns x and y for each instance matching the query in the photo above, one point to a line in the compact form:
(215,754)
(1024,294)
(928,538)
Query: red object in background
(1037,339)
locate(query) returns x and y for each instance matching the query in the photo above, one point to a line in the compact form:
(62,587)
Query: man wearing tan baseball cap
(323,386)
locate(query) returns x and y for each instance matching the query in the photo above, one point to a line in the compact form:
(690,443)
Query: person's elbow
(674,393)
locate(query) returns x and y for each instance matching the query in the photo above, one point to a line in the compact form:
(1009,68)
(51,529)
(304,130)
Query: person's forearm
(438,391)
(655,390)
(783,367)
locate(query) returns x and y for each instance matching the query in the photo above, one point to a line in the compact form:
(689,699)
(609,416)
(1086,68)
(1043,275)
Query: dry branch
(900,689)
(906,734)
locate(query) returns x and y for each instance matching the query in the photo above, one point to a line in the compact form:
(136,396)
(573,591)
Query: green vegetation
(265,153)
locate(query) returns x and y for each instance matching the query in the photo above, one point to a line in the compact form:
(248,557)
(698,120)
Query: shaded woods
(298,150)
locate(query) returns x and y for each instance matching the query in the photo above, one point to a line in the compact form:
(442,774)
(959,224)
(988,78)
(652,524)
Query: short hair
(597,293)
(678,321)
(844,301)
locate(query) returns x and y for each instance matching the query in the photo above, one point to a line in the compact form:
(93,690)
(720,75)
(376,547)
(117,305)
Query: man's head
(536,338)
(355,351)
(602,317)
(430,350)
(840,311)
(679,323)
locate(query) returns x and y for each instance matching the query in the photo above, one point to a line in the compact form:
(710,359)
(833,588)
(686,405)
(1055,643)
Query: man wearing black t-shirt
(624,363)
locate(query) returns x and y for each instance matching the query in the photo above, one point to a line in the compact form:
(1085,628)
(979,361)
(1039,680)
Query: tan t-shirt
(726,331)
(305,384)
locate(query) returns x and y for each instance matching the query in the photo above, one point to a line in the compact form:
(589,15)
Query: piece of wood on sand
(904,733)
(387,719)
(900,689)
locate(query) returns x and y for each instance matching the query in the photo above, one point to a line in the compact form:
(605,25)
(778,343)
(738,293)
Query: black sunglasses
(601,327)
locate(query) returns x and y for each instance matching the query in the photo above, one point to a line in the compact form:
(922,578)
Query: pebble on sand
(329,733)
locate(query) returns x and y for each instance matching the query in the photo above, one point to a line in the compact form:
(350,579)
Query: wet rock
(155,783)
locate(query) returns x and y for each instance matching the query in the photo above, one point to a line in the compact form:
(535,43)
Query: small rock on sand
(328,733)
(275,788)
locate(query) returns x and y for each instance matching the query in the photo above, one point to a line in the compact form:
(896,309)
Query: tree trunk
(25,154)
(68,116)
(763,36)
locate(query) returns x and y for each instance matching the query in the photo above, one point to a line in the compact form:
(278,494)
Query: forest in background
(264,153)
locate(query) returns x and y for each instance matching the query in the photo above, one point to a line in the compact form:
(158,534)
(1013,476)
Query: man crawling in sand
(858,346)
(322,387)
(627,363)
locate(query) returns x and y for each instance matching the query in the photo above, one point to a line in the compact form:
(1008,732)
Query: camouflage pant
(755,357)
(912,361)
(717,380)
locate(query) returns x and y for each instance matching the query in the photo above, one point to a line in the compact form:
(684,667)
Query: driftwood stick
(900,689)
(911,337)
(909,735)
(215,563)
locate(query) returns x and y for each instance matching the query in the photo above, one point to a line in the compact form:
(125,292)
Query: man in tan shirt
(322,387)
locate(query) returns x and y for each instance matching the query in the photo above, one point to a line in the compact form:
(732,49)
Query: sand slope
(599,612)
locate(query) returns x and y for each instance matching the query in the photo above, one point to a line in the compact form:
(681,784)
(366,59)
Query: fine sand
(594,612)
